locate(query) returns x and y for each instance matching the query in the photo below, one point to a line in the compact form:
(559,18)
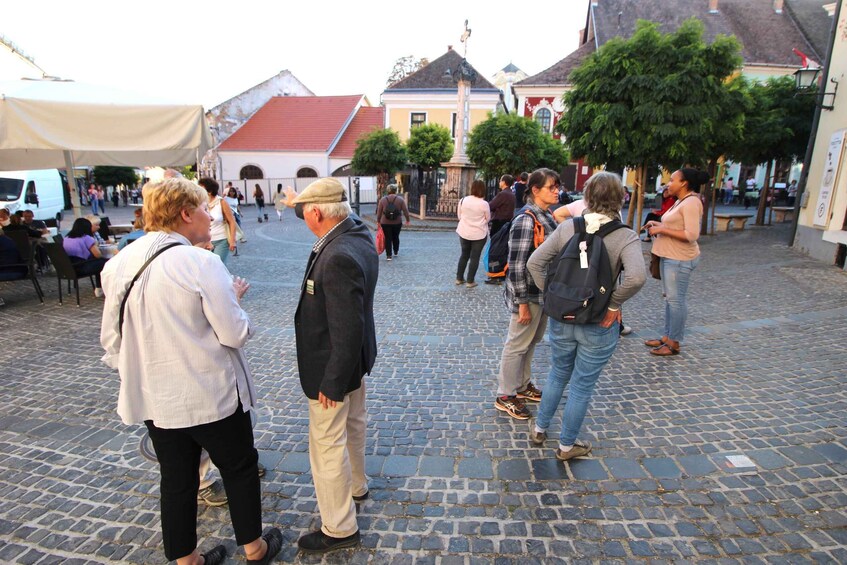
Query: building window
(417,119)
(307,173)
(543,117)
(251,172)
(453,126)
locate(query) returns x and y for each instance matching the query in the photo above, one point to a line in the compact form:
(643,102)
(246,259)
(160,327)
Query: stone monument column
(460,171)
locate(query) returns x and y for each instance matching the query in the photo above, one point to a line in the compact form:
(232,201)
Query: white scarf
(594,221)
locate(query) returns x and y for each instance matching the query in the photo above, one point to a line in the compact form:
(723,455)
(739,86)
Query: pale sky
(207,52)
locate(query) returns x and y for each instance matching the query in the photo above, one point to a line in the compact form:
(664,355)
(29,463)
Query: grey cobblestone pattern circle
(452,480)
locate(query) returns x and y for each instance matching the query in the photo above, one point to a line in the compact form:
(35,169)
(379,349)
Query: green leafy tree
(507,143)
(379,153)
(188,172)
(114,176)
(553,154)
(777,127)
(653,99)
(429,145)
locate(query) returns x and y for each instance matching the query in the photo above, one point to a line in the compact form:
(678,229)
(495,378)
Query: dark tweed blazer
(334,322)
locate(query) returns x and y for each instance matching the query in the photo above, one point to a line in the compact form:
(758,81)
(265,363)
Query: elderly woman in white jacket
(174,329)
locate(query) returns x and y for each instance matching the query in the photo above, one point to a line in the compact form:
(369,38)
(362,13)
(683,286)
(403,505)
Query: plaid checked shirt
(519,288)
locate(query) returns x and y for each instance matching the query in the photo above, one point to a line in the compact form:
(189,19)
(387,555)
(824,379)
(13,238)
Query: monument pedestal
(459,179)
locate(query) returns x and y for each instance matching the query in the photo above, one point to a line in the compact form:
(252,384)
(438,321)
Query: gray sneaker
(212,495)
(537,438)
(580,449)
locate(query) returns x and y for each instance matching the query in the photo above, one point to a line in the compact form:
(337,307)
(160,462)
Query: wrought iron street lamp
(805,81)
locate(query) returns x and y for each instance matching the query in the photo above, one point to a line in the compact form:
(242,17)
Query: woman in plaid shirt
(530,226)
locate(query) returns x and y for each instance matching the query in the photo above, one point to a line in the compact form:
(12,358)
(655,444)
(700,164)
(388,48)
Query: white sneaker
(626,330)
(98,292)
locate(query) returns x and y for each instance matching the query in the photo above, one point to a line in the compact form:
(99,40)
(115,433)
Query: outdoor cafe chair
(27,253)
(64,267)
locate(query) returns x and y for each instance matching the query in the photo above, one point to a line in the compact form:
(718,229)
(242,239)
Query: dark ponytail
(695,178)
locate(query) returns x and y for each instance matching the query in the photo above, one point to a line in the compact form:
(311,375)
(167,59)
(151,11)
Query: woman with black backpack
(389,214)
(582,345)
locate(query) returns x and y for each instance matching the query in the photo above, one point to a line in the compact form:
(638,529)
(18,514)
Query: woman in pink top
(676,244)
(474,214)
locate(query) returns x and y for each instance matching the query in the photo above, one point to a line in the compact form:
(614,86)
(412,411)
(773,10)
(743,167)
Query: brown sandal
(665,349)
(658,342)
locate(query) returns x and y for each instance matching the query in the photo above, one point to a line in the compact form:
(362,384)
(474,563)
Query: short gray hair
(604,194)
(335,210)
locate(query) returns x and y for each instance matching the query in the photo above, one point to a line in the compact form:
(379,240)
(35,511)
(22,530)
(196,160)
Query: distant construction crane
(9,44)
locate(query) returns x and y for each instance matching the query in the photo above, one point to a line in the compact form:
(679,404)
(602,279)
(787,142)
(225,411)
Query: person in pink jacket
(474,214)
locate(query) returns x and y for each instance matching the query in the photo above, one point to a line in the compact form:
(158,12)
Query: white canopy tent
(47,124)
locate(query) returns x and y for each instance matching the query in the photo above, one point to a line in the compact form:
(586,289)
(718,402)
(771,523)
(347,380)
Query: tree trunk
(709,196)
(630,215)
(381,183)
(763,196)
(640,187)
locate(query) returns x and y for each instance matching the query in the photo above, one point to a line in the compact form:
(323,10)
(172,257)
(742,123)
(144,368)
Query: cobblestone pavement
(453,480)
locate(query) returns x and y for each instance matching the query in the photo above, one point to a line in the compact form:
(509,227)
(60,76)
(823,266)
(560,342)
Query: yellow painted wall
(399,118)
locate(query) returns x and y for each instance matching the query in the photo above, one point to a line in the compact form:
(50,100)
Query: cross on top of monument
(464,39)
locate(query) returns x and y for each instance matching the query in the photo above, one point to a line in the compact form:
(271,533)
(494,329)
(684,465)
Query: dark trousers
(392,238)
(87,268)
(230,446)
(471,249)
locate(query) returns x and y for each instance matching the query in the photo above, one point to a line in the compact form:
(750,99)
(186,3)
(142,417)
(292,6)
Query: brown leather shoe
(656,342)
(670,347)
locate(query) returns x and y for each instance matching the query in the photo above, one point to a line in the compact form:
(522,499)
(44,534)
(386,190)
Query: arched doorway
(251,172)
(306,173)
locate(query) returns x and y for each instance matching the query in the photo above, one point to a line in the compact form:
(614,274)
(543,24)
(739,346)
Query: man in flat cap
(336,347)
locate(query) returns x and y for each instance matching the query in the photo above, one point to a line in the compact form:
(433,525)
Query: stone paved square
(452,479)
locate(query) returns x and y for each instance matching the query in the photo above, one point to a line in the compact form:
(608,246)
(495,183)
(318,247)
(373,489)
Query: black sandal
(665,350)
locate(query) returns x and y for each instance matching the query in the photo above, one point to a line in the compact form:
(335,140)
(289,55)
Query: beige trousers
(516,360)
(337,457)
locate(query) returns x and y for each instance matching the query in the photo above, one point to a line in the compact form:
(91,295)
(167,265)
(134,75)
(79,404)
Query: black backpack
(577,295)
(390,212)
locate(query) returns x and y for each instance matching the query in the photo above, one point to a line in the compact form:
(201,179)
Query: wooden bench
(737,221)
(783,213)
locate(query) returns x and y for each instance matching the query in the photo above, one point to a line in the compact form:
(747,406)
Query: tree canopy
(507,143)
(429,145)
(379,153)
(653,98)
(114,176)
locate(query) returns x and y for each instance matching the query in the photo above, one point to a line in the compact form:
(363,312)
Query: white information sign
(830,175)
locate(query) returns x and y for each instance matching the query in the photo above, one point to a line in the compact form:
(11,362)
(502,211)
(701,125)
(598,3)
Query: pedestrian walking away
(389,214)
(523,298)
(278,201)
(190,386)
(581,348)
(259,197)
(474,214)
(679,253)
(336,347)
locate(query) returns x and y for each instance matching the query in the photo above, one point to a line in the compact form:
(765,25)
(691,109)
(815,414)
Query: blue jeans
(675,278)
(579,353)
(221,249)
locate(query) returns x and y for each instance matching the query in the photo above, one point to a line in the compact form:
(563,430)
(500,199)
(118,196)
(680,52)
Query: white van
(40,191)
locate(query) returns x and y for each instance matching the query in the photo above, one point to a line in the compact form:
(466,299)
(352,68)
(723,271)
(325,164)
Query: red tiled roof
(294,123)
(366,119)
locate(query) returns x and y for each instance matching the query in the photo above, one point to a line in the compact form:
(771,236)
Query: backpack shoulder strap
(538,235)
(609,227)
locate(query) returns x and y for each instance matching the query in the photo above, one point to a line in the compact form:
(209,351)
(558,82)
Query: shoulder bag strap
(135,278)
